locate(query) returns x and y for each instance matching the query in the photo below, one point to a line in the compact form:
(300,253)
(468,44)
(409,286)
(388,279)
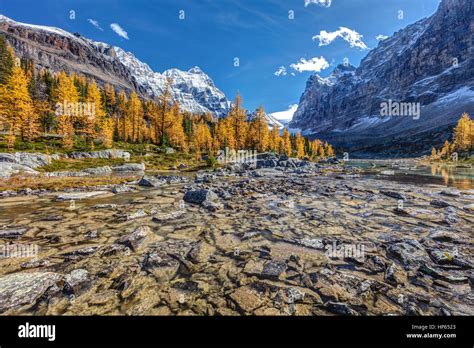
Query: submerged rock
(410,252)
(161,265)
(151,181)
(77,281)
(12,233)
(76,196)
(136,238)
(246,299)
(439,203)
(395,275)
(393,194)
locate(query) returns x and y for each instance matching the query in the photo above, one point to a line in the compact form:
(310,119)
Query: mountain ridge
(56,49)
(416,64)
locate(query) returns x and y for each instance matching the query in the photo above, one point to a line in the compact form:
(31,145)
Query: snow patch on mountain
(285,116)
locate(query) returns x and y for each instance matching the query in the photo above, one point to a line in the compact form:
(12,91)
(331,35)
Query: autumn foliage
(75,108)
(463,140)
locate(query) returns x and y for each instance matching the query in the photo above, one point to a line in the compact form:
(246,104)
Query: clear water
(457,176)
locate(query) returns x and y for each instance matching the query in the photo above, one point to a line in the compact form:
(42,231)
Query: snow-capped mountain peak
(48,46)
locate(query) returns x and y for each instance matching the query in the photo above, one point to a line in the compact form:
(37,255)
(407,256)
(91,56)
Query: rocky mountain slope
(56,49)
(429,62)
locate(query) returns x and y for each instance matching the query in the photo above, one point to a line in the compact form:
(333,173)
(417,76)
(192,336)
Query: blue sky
(260,33)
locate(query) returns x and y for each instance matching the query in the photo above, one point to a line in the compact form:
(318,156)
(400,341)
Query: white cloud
(95,23)
(351,36)
(314,64)
(285,115)
(280,72)
(323,3)
(119,30)
(381,37)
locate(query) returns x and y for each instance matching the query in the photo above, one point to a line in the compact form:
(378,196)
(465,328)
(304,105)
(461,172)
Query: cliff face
(56,49)
(430,62)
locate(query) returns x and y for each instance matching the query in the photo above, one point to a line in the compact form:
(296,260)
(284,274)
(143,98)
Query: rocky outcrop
(32,160)
(430,62)
(7,170)
(107,154)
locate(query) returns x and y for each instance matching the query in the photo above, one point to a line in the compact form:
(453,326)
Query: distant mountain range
(56,49)
(430,62)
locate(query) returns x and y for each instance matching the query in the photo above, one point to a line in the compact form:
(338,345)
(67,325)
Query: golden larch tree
(300,151)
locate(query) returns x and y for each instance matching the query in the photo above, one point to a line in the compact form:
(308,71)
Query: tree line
(463,140)
(75,108)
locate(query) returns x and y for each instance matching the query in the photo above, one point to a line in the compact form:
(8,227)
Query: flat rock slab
(12,233)
(76,196)
(8,169)
(31,160)
(20,289)
(130,167)
(246,299)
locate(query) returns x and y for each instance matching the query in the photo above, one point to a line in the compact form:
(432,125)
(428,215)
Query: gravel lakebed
(278,240)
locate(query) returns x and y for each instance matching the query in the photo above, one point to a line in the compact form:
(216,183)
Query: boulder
(151,181)
(200,196)
(77,281)
(31,160)
(8,169)
(18,289)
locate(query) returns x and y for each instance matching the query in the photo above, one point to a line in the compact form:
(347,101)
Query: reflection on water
(461,177)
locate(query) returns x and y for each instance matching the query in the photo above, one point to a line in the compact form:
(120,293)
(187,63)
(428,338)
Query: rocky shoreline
(276,237)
